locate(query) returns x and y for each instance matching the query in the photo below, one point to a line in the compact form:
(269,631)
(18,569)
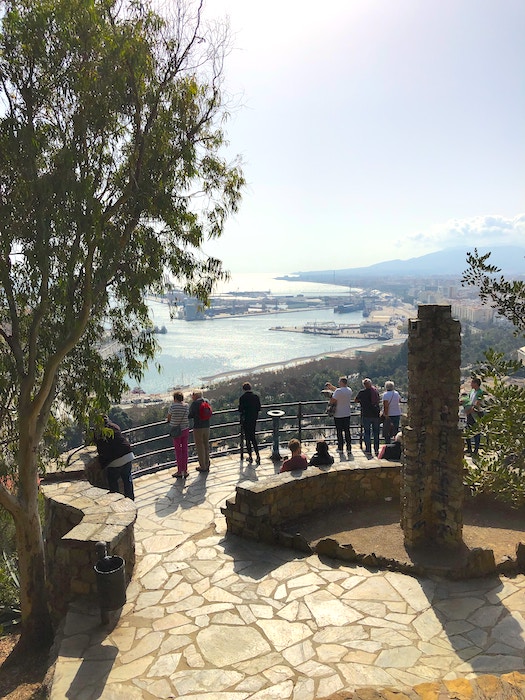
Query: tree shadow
(255,560)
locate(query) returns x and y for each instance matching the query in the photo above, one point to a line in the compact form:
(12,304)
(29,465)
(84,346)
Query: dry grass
(22,679)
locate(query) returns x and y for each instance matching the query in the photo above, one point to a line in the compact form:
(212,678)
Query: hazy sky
(373,129)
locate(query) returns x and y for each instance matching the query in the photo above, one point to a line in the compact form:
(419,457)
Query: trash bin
(110,572)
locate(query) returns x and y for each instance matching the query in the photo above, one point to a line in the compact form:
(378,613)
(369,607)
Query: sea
(199,353)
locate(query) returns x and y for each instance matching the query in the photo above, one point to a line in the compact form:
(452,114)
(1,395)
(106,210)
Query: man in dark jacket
(115,456)
(368,398)
(201,432)
(249,407)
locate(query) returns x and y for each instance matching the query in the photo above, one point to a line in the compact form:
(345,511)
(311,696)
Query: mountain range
(444,263)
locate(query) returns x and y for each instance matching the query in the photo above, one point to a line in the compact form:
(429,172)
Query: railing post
(275,415)
(299,421)
(242,440)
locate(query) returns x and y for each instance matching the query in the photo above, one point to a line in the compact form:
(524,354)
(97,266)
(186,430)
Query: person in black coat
(249,407)
(115,456)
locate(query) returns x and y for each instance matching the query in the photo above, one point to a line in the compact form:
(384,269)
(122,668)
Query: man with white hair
(392,410)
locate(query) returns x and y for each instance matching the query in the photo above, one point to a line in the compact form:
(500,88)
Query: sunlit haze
(373,129)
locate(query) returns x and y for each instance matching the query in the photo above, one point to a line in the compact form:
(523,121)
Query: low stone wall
(78,515)
(259,508)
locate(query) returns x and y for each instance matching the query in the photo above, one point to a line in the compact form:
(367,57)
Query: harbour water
(192,353)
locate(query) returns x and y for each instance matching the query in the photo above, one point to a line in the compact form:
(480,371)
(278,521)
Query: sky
(372,130)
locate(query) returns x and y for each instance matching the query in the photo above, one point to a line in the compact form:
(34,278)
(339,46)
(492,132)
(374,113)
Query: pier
(371,331)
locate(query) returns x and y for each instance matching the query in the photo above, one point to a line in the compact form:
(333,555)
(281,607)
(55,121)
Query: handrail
(293,424)
(155,452)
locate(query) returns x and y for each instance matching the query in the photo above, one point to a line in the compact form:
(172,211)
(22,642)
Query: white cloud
(490,230)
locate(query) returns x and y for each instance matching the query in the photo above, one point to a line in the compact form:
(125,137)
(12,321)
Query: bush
(500,472)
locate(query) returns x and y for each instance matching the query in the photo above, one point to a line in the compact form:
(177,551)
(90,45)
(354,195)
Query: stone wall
(258,508)
(78,515)
(432,491)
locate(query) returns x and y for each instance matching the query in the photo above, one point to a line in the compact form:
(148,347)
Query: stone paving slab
(211,616)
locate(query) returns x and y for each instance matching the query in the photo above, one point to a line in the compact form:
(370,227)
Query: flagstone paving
(216,617)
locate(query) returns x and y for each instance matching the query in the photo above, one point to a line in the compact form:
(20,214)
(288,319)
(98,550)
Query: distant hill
(450,262)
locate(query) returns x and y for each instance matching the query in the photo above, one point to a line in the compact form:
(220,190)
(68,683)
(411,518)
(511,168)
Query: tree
(501,470)
(508,298)
(111,180)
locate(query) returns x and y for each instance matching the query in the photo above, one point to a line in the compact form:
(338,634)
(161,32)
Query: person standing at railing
(392,411)
(249,408)
(342,398)
(199,408)
(179,430)
(115,457)
(368,398)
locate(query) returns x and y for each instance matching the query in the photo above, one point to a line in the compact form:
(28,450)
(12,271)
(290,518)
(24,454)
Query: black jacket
(249,407)
(109,448)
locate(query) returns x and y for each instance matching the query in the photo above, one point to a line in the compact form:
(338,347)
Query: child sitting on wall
(321,456)
(297,460)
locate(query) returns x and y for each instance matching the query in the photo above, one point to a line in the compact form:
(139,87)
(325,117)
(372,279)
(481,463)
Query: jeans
(371,428)
(202,445)
(342,426)
(477,437)
(181,451)
(124,473)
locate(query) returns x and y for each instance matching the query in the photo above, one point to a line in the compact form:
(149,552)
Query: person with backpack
(200,412)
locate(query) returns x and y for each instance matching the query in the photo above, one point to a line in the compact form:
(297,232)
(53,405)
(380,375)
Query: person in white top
(391,408)
(342,398)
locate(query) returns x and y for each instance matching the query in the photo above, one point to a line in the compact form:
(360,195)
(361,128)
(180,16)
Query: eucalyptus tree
(113,174)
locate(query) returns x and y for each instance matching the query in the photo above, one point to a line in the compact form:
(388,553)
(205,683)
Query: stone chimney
(432,485)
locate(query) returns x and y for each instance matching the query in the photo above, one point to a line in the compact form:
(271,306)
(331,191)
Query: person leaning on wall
(115,457)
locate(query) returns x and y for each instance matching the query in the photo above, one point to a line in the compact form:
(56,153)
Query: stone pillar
(432,484)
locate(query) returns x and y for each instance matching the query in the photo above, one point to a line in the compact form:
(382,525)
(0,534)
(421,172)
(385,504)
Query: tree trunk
(37,630)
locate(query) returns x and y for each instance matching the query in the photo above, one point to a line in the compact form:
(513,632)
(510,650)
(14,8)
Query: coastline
(401,311)
(270,366)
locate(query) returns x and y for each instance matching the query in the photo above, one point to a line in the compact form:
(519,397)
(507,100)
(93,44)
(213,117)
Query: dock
(363,331)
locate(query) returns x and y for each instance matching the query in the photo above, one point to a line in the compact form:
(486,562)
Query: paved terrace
(216,617)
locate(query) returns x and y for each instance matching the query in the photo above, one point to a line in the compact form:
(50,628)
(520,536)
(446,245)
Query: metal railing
(305,420)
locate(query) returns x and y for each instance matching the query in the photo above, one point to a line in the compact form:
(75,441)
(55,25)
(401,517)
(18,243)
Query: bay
(193,352)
